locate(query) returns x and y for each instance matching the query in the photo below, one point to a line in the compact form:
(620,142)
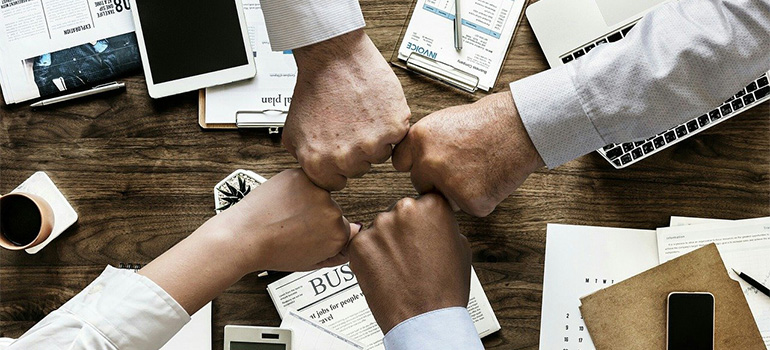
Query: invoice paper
(488,27)
(580,260)
(744,245)
(270,90)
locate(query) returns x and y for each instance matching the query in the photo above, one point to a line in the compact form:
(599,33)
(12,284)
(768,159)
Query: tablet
(192,44)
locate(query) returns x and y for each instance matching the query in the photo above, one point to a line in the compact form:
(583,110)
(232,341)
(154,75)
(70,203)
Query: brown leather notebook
(632,314)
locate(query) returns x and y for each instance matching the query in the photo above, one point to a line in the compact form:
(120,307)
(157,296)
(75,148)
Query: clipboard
(445,73)
(270,119)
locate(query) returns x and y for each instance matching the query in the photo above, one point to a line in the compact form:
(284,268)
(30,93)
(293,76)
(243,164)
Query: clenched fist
(411,261)
(476,154)
(347,111)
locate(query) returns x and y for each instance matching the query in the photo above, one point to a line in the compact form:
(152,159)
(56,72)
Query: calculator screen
(256,346)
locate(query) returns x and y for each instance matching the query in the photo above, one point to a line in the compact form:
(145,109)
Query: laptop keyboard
(622,155)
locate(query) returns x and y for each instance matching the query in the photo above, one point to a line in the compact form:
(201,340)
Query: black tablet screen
(185,38)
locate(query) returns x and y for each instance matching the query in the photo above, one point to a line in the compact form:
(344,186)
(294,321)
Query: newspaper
(332,297)
(50,46)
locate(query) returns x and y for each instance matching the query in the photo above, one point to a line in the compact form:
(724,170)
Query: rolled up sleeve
(681,60)
(120,310)
(296,23)
(445,329)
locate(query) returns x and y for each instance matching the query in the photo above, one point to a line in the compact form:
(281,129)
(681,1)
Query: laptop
(568,29)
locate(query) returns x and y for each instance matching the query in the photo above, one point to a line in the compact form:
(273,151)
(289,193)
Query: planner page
(744,246)
(580,260)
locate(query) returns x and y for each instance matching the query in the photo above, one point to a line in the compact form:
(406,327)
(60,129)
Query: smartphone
(690,321)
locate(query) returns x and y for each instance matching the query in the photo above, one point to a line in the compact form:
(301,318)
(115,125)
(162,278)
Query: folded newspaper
(49,47)
(332,297)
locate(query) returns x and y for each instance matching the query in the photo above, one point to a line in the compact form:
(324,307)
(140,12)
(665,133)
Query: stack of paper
(581,260)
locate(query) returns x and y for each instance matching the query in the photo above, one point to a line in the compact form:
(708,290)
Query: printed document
(332,298)
(488,27)
(50,46)
(309,335)
(270,90)
(580,260)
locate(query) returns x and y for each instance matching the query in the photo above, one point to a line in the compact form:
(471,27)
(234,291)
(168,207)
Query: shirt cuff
(553,115)
(444,329)
(128,309)
(296,23)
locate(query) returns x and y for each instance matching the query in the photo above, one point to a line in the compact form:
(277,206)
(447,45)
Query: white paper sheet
(580,260)
(744,245)
(309,335)
(195,335)
(488,27)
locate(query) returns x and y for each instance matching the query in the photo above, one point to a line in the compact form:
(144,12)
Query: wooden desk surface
(140,174)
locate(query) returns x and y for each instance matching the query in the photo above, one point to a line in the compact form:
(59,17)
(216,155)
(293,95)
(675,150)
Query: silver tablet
(192,44)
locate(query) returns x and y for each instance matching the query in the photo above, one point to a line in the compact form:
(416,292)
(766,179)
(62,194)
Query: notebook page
(580,260)
(744,245)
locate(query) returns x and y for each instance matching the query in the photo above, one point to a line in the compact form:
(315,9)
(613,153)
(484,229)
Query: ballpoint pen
(458,27)
(93,91)
(753,282)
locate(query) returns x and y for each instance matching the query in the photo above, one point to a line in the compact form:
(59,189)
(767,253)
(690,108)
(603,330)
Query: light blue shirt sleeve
(444,329)
(681,60)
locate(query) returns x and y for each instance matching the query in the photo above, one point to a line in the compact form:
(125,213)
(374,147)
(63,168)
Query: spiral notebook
(195,335)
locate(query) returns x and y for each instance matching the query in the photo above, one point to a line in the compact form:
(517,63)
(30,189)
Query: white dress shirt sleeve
(296,23)
(120,310)
(444,329)
(681,60)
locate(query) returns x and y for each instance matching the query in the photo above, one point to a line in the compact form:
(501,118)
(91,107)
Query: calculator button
(628,146)
(715,114)
(762,81)
(648,147)
(637,153)
(761,93)
(566,59)
(670,136)
(589,47)
(578,54)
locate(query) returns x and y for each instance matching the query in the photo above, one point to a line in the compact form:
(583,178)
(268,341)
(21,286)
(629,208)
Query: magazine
(48,47)
(332,297)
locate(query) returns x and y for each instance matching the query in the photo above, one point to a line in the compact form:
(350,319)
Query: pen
(753,283)
(93,91)
(458,27)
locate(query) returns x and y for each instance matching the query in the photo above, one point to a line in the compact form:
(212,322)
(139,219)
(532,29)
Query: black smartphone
(690,321)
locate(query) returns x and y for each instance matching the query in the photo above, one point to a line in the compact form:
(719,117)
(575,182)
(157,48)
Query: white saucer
(63,213)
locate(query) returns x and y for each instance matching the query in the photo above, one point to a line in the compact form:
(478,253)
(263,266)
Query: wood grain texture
(140,173)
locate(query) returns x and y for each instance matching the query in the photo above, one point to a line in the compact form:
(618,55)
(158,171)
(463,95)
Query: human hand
(287,224)
(347,111)
(476,154)
(411,261)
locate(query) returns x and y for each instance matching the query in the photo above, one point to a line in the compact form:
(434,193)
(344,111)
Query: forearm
(200,267)
(680,61)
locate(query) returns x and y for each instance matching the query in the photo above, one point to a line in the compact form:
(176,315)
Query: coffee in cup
(26,220)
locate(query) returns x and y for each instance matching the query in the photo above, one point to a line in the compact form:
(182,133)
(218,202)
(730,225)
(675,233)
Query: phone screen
(690,321)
